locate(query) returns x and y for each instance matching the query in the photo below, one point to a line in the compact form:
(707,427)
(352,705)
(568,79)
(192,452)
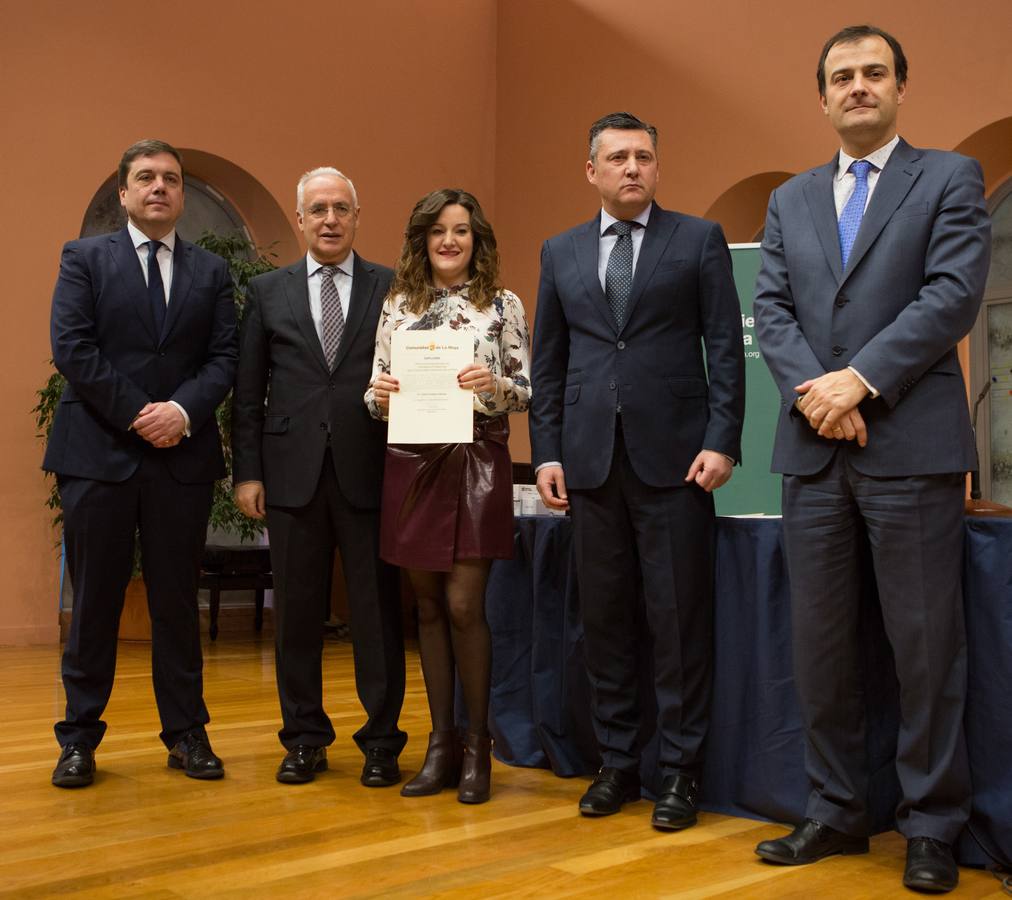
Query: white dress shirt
(164,257)
(845,182)
(843,188)
(342,281)
(141,241)
(609,240)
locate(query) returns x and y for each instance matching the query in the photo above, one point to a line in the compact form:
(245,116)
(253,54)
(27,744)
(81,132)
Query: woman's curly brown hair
(413,276)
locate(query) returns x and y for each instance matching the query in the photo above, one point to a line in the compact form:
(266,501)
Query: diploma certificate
(430,407)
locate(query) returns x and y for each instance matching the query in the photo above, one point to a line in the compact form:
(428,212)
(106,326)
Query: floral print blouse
(501,343)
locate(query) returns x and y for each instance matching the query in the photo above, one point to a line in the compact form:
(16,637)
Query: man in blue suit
(634,427)
(873,268)
(143,329)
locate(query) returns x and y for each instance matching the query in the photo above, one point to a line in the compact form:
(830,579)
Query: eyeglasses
(320,210)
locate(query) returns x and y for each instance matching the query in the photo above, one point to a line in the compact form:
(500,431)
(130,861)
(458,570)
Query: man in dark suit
(311,461)
(634,429)
(873,268)
(143,329)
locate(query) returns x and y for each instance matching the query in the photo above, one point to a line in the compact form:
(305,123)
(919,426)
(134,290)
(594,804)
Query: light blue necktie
(853,212)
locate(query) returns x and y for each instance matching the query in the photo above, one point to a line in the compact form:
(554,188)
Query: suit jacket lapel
(659,231)
(587,246)
(822,207)
(297,293)
(124,256)
(895,182)
(183,262)
(363,286)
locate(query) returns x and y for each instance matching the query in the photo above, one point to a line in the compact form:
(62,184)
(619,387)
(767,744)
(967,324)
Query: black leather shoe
(676,803)
(611,788)
(810,842)
(193,754)
(301,764)
(930,866)
(75,767)
(380,769)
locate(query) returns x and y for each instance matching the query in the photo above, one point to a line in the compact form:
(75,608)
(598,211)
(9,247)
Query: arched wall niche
(992,145)
(741,209)
(269,226)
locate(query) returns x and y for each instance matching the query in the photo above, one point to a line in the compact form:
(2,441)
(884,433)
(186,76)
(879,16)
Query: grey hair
(300,190)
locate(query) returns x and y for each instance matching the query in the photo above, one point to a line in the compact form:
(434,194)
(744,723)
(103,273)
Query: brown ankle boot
(441,768)
(476,774)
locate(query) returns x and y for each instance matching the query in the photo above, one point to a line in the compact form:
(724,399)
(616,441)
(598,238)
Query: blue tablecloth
(755,755)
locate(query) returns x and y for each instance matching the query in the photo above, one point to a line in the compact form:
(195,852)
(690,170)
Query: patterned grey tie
(331,312)
(619,274)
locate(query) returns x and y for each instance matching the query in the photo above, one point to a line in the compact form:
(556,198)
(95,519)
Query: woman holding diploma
(448,508)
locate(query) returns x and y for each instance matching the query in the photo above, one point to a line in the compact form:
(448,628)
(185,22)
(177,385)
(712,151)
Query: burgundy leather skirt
(443,502)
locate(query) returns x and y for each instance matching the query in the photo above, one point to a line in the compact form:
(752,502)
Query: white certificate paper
(430,407)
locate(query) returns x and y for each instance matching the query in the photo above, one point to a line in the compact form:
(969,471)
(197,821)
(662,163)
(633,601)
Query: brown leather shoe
(810,842)
(476,771)
(441,769)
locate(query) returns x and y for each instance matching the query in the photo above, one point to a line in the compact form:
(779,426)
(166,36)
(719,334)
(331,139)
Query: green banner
(752,488)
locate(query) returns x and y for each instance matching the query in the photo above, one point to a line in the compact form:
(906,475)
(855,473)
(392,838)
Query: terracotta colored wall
(274,89)
(407,95)
(730,86)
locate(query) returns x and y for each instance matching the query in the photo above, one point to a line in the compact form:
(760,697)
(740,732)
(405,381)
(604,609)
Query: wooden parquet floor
(143,830)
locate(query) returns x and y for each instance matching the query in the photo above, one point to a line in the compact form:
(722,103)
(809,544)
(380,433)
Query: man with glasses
(311,462)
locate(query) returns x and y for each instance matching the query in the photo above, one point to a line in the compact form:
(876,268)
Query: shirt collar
(607,219)
(877,158)
(347,265)
(140,239)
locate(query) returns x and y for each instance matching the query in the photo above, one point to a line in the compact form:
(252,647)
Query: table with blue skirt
(540,701)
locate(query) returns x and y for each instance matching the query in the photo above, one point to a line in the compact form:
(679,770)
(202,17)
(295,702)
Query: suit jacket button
(323,426)
(621,345)
(611,385)
(837,350)
(841,302)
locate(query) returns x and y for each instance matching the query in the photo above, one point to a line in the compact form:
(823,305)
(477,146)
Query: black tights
(452,629)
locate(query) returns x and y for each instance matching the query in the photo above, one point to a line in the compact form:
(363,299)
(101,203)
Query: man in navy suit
(143,329)
(634,427)
(310,461)
(873,268)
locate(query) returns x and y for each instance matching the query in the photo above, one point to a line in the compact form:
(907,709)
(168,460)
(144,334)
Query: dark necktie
(853,212)
(331,313)
(156,289)
(618,276)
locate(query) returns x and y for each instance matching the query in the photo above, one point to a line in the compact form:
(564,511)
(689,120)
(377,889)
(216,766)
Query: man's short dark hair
(851,35)
(144,148)
(623,121)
